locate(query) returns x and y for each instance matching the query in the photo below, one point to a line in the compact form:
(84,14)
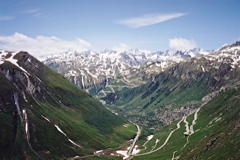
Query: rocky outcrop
(26,80)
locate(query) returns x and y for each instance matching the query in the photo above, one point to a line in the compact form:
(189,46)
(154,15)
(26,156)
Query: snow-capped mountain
(228,54)
(180,89)
(94,71)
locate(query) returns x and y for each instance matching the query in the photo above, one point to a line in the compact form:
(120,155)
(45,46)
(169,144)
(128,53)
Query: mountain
(179,90)
(109,71)
(212,132)
(44,116)
(190,105)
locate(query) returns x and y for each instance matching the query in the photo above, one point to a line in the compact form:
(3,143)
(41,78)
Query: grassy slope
(84,120)
(220,123)
(146,100)
(216,133)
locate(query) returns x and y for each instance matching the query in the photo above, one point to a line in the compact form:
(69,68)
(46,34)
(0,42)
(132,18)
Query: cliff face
(26,81)
(43,116)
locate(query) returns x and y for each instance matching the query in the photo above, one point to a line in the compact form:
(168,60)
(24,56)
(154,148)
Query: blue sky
(118,24)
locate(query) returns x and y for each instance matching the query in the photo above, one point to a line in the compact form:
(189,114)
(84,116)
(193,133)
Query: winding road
(194,121)
(170,134)
(189,130)
(135,140)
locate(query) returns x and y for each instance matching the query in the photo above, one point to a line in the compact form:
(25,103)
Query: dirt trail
(169,136)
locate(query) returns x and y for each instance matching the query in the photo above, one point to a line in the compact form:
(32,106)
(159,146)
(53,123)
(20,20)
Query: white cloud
(121,47)
(31,11)
(6,18)
(35,13)
(41,45)
(182,44)
(149,19)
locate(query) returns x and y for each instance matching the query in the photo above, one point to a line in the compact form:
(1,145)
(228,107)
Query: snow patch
(149,137)
(4,57)
(124,153)
(46,119)
(26,123)
(203,69)
(98,151)
(59,129)
(74,143)
(17,105)
(135,150)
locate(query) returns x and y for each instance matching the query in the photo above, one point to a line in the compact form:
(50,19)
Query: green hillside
(43,116)
(216,133)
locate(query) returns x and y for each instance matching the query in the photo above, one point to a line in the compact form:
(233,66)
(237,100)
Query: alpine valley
(136,105)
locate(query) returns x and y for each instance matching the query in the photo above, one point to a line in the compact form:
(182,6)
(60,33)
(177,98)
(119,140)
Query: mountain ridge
(44,116)
(178,90)
(94,72)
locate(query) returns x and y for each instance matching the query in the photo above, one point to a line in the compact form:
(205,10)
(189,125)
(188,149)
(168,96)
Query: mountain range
(178,91)
(106,72)
(185,105)
(144,83)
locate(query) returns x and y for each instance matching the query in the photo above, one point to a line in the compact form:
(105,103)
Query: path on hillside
(189,130)
(187,126)
(134,142)
(170,134)
(149,138)
(194,121)
(156,142)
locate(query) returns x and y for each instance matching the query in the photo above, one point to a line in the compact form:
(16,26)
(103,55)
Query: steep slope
(210,133)
(109,71)
(44,116)
(178,90)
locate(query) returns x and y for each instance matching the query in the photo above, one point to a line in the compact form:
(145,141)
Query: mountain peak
(232,46)
(41,111)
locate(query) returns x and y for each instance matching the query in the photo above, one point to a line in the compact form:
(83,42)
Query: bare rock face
(27,80)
